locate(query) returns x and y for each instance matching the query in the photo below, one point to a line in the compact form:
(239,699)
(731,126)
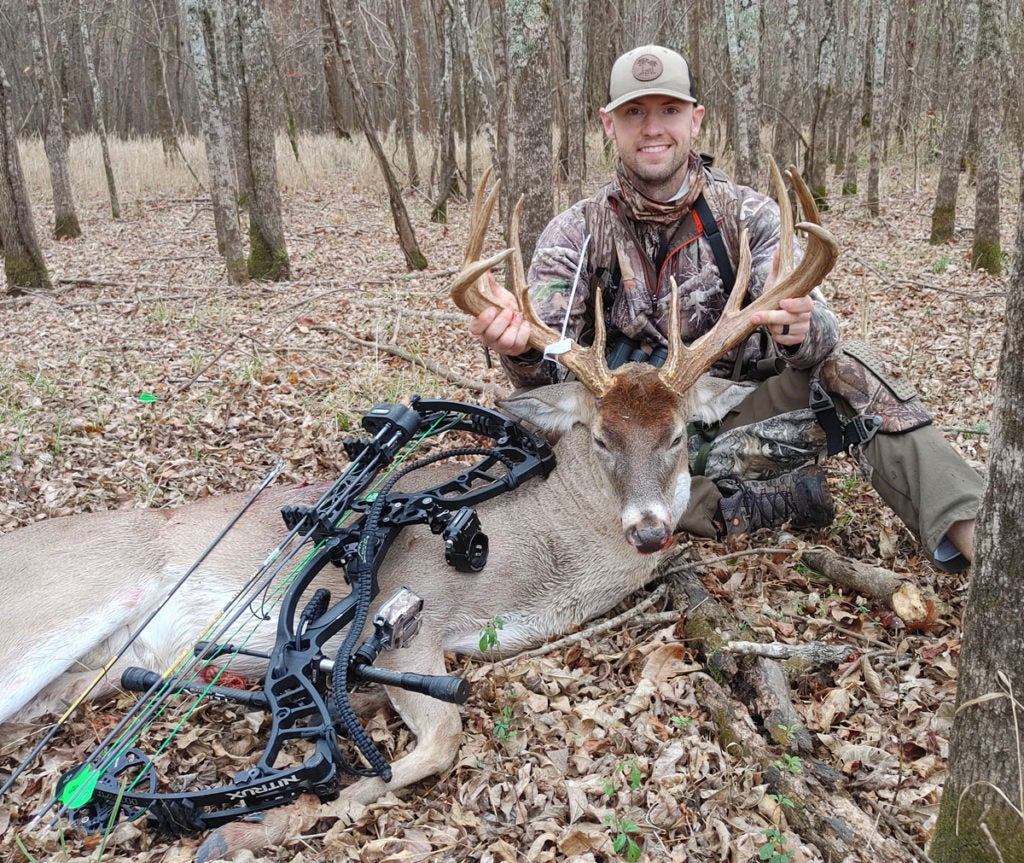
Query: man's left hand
(788,324)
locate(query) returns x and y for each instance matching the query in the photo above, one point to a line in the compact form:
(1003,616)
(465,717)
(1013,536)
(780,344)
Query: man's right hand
(503,329)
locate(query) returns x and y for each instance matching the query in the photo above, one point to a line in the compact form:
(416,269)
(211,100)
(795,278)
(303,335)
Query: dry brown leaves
(563,753)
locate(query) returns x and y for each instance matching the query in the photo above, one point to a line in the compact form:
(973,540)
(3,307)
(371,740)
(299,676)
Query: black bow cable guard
(305,692)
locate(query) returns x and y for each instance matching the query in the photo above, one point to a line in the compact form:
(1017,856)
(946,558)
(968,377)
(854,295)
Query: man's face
(654,136)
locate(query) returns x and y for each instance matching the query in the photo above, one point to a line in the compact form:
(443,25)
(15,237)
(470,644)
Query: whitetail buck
(562,550)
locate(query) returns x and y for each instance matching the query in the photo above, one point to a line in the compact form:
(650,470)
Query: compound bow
(305,691)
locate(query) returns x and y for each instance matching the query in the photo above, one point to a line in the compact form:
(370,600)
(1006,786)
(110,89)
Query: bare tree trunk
(420,12)
(414,258)
(877,108)
(824,84)
(954,130)
(65,217)
(167,127)
(529,117)
(97,99)
(742,24)
(985,251)
(981,811)
(406,102)
(201,28)
(576,110)
(478,63)
(24,266)
(785,147)
(447,180)
(268,254)
(332,74)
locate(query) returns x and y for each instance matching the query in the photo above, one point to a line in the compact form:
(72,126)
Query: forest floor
(563,754)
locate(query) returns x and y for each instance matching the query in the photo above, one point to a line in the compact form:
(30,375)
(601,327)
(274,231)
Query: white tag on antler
(556,349)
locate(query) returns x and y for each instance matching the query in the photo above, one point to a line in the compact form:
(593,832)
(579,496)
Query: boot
(800,498)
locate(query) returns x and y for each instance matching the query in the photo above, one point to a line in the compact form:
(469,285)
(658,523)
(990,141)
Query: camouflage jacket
(639,309)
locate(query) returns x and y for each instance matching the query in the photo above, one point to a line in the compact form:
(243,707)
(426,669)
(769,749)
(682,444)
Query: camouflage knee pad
(859,374)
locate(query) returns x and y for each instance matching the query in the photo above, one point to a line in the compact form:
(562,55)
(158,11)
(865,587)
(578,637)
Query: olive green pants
(917,473)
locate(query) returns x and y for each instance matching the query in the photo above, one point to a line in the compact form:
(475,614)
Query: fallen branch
(809,655)
(824,814)
(884,586)
(600,627)
(466,383)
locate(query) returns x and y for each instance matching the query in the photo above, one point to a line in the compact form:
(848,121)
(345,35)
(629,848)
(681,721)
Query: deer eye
(600,444)
(676,441)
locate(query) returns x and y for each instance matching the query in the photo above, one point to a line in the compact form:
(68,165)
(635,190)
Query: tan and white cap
(649,70)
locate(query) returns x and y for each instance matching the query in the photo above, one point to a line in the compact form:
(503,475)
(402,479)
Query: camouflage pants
(917,473)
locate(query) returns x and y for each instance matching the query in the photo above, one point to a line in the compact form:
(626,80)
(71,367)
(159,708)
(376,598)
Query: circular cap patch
(647,67)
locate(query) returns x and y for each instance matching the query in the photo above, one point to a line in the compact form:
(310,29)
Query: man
(667,213)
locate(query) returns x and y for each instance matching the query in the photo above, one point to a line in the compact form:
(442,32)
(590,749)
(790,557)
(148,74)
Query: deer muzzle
(649,535)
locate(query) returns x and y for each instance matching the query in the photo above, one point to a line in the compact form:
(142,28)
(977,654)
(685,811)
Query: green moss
(943,223)
(416,260)
(985,255)
(820,194)
(975,827)
(67,227)
(22,272)
(266,262)
(849,189)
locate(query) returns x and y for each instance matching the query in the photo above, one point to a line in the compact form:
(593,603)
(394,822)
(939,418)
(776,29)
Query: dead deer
(562,550)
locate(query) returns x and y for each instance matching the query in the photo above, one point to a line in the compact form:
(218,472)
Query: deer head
(637,414)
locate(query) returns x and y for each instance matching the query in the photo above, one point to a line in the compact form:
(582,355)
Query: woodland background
(563,753)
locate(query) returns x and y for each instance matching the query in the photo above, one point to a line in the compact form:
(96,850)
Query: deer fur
(562,550)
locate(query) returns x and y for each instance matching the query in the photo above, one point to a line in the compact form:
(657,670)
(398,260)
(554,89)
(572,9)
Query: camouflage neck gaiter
(644,209)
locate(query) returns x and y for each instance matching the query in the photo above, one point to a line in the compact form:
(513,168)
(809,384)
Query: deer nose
(649,537)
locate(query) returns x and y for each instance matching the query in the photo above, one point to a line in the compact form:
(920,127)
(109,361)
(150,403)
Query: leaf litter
(145,379)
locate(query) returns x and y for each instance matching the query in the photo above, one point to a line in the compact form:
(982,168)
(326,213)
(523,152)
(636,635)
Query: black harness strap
(841,435)
(709,228)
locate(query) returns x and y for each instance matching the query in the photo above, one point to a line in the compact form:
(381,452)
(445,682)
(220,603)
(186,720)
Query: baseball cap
(649,70)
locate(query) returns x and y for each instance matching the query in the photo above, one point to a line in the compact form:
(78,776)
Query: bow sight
(305,691)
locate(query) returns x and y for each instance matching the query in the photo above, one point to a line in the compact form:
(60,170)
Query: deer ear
(715,397)
(555,408)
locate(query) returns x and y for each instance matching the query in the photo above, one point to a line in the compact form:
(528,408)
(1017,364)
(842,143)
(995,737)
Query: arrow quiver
(305,691)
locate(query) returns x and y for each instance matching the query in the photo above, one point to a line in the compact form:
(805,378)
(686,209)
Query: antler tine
(587,364)
(785,218)
(469,292)
(735,323)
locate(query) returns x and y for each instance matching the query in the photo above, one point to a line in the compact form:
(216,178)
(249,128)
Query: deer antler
(685,364)
(469,291)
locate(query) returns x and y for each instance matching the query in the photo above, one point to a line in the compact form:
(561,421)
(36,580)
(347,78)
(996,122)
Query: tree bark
(201,26)
(980,818)
(447,168)
(268,253)
(406,100)
(529,118)
(414,258)
(65,217)
(97,99)
(576,109)
(986,253)
(954,129)
(24,266)
(824,84)
(877,108)
(742,19)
